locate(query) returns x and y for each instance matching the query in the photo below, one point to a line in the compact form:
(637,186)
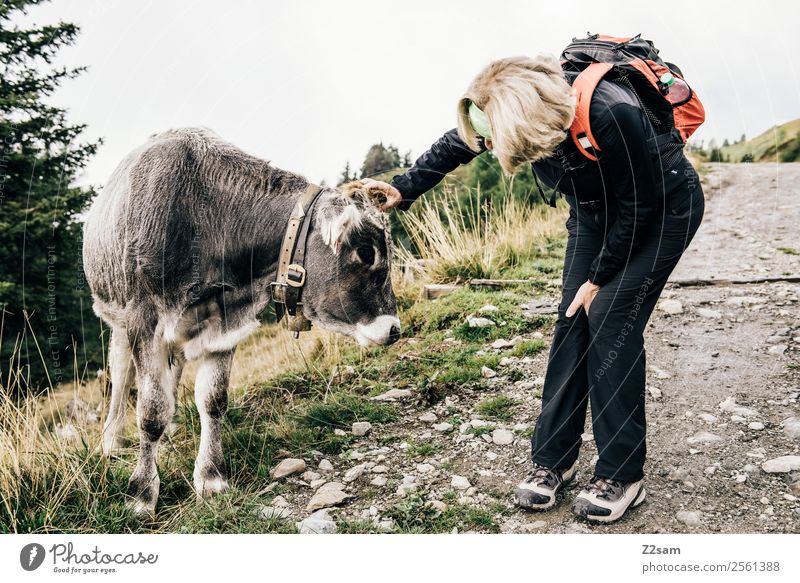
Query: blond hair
(529,104)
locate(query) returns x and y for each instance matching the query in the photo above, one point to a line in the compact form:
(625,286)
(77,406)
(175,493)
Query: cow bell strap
(291,276)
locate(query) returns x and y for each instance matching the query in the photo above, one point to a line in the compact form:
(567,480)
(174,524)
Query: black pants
(601,356)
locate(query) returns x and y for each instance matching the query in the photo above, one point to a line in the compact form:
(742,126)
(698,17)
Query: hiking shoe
(606,500)
(538,490)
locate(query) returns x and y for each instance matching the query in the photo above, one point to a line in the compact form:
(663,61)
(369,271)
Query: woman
(632,213)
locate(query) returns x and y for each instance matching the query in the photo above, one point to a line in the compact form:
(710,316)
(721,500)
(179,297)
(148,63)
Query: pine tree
(44,298)
(347,174)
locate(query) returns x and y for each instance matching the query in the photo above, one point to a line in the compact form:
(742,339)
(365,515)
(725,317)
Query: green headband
(479,121)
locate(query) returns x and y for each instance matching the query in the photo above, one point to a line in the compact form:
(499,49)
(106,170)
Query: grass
(788,250)
(289,397)
(500,408)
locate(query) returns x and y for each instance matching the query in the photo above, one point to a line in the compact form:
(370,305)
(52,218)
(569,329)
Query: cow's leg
(156,377)
(122,375)
(211,397)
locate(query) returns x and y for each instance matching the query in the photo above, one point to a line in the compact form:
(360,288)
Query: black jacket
(634,174)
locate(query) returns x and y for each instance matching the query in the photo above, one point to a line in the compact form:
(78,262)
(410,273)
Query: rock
(393,395)
(777,349)
(320,522)
(361,428)
(487,373)
(425,468)
(437,505)
(309,476)
(782,465)
(329,494)
(488,309)
(533,526)
(502,437)
(67,432)
(703,437)
(710,470)
(655,393)
(479,423)
(690,517)
(502,344)
(460,483)
(280,502)
(339,432)
(491,456)
(79,411)
(325,466)
(660,374)
(354,473)
(379,481)
(791,427)
(478,322)
(274,512)
(443,427)
(380,470)
(707,313)
(729,405)
(506,361)
(429,417)
(287,467)
(707,417)
(756,426)
(671,307)
(405,489)
(587,437)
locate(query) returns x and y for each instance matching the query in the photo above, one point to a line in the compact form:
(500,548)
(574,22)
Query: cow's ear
(363,193)
(336,227)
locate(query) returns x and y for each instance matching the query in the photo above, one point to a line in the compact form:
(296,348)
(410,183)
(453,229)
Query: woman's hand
(583,297)
(393,196)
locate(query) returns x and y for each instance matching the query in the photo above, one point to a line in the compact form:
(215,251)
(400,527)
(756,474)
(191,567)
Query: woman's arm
(444,156)
(627,164)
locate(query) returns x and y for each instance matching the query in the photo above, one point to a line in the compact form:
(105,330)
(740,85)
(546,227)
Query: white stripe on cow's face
(381,331)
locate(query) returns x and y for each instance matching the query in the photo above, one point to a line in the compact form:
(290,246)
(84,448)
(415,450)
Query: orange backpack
(668,101)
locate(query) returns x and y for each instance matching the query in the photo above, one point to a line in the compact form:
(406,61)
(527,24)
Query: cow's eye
(366,254)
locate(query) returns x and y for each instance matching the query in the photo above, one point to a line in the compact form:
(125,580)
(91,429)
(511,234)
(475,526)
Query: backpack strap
(584,85)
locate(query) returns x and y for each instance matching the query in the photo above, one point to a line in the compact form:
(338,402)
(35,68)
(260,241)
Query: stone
(437,505)
(782,465)
(361,428)
(353,473)
(791,427)
(690,517)
(443,427)
(533,526)
(491,456)
(744,301)
(320,522)
(380,470)
(325,466)
(329,494)
(429,417)
(287,467)
(379,481)
(587,437)
(659,373)
(478,322)
(393,395)
(79,411)
(655,393)
(502,344)
(671,307)
(707,417)
(274,512)
(502,437)
(487,373)
(425,468)
(756,426)
(707,313)
(405,489)
(703,437)
(339,432)
(488,309)
(777,349)
(506,361)
(309,476)
(460,483)
(729,405)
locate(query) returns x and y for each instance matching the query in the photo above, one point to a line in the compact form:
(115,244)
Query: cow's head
(348,267)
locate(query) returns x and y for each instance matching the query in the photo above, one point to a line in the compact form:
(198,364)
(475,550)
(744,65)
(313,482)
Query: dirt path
(722,379)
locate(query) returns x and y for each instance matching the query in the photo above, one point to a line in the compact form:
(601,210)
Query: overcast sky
(312,84)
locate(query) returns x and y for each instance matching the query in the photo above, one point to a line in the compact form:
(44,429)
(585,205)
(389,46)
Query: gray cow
(179,250)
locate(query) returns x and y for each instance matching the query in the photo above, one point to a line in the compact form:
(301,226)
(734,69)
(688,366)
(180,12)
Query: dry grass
(478,240)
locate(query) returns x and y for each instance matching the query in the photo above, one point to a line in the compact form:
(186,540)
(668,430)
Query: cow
(180,248)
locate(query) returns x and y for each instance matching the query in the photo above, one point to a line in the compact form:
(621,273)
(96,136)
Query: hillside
(778,144)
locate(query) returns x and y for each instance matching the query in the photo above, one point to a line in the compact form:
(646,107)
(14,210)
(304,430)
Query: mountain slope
(778,144)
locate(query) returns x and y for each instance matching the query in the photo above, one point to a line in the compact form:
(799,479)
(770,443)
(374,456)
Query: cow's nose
(394,334)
